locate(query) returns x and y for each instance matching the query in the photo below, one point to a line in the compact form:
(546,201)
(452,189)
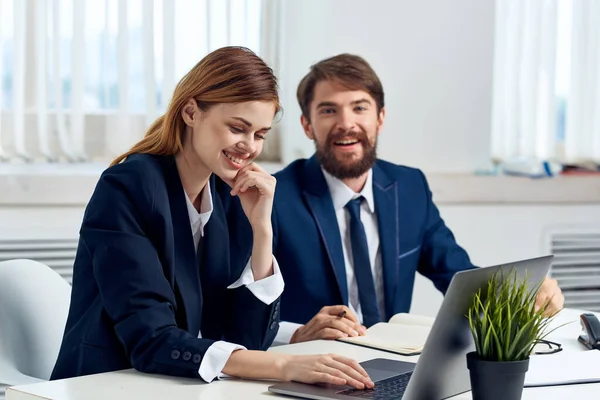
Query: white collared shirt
(341,194)
(266,290)
(198,220)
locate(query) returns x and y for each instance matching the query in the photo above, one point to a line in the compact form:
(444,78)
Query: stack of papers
(563,368)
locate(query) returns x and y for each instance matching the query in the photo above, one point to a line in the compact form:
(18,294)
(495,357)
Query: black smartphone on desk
(590,337)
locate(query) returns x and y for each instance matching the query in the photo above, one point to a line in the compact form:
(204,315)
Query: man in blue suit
(351,231)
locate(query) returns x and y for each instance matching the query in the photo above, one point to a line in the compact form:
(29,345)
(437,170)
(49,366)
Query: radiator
(58,254)
(576,266)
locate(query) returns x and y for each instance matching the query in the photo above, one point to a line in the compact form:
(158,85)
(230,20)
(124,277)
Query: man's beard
(339,169)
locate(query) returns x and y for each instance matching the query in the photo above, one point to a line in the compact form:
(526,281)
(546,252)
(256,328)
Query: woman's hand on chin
(255,187)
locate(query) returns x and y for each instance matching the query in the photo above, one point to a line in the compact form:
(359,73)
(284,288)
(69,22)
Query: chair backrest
(34,303)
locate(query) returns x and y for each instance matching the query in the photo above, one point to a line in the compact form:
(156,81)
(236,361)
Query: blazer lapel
(187,278)
(385,192)
(215,260)
(216,271)
(317,196)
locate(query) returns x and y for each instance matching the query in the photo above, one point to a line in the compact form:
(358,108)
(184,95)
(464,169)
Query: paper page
(412,319)
(393,337)
(563,368)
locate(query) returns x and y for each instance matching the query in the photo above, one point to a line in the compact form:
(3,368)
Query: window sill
(472,189)
(56,184)
(72,185)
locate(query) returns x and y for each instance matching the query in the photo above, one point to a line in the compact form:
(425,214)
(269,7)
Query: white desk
(130,384)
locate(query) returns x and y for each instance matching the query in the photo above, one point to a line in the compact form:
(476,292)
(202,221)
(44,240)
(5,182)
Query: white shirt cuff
(215,358)
(285,333)
(266,290)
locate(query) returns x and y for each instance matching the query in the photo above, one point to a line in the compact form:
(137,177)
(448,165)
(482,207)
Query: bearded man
(350,230)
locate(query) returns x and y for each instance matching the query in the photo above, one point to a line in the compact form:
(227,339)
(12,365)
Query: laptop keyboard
(387,389)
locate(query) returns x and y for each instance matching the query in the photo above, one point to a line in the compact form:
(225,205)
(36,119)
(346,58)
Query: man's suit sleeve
(136,295)
(441,257)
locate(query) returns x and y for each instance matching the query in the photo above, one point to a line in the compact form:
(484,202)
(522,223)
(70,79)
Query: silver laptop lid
(441,371)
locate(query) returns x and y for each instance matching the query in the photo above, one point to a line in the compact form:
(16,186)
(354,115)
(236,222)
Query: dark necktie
(362,265)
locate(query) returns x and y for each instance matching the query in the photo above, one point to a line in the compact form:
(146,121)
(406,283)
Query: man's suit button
(277,306)
(275,314)
(175,354)
(273,325)
(186,356)
(197,358)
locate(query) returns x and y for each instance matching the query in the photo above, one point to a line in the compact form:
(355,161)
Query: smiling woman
(157,283)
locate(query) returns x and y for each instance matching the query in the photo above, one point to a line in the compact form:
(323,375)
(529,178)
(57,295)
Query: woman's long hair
(227,75)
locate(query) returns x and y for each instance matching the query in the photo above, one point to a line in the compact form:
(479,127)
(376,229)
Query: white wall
(40,222)
(434,58)
(497,234)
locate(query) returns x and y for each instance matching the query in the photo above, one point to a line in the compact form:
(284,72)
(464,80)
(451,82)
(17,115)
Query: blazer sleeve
(136,295)
(441,256)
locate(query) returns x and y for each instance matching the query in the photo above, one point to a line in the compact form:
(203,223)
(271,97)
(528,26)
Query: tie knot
(353,206)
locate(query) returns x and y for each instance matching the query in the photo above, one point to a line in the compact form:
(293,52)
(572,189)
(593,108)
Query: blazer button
(275,314)
(277,306)
(273,325)
(197,358)
(186,356)
(175,354)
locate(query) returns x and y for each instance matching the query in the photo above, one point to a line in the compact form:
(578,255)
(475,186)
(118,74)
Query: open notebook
(404,334)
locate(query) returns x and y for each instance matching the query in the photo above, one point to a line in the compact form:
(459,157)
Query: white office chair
(34,303)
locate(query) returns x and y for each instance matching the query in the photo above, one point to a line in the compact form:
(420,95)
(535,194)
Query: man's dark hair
(350,70)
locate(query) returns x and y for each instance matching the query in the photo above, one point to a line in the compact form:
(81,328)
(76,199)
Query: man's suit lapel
(317,196)
(187,279)
(385,192)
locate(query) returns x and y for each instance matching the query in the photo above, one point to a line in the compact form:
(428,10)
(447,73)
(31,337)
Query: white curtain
(582,138)
(271,38)
(82,79)
(3,155)
(524,102)
(272,48)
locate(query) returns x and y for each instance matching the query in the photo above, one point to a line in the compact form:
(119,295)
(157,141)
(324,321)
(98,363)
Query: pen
(341,315)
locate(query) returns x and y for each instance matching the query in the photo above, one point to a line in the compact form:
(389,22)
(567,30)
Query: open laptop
(441,370)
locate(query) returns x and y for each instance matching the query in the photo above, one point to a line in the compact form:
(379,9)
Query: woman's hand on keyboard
(326,368)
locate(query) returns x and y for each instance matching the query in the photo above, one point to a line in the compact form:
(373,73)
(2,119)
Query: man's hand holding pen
(332,322)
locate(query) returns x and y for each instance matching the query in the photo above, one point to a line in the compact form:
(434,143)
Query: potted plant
(505,325)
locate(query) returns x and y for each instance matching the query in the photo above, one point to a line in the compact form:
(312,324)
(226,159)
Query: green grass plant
(504,320)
